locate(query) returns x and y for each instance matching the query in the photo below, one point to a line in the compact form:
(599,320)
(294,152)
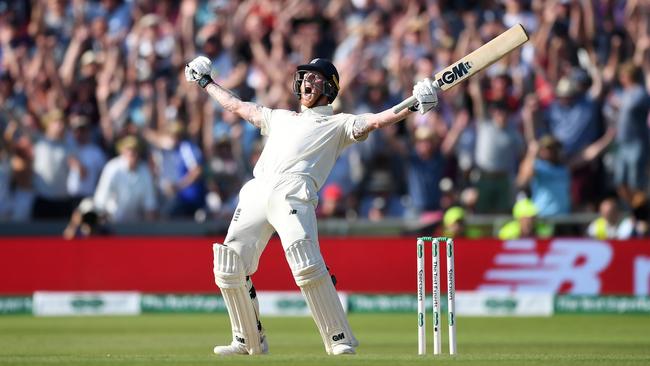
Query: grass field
(386,340)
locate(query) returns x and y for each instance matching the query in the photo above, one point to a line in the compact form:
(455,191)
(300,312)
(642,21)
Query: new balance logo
(570,266)
(240,340)
(338,337)
(293,212)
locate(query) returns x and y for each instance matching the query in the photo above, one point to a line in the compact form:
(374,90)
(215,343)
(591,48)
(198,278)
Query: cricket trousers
(284,203)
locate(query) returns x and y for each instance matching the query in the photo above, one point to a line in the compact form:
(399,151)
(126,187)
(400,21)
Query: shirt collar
(326,110)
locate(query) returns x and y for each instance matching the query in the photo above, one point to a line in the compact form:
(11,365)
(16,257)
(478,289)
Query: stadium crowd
(95,114)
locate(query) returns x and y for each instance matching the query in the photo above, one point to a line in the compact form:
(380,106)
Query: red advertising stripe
(376,265)
(143,264)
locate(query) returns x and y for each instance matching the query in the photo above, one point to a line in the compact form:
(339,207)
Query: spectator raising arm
(67,69)
(594,150)
(527,167)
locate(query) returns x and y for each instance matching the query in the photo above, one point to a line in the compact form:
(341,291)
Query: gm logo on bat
(457,71)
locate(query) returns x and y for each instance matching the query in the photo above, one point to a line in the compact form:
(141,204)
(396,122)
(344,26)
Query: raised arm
(427,99)
(198,70)
(367,122)
(594,150)
(251,112)
(478,102)
(527,166)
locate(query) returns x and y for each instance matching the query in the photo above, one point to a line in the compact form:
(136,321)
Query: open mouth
(308,90)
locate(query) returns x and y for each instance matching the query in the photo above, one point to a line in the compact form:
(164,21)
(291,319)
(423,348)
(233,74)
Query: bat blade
(476,61)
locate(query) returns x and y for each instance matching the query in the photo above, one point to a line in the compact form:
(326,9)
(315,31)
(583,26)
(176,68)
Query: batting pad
(230,277)
(312,277)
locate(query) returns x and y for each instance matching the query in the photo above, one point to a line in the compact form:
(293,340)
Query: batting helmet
(325,68)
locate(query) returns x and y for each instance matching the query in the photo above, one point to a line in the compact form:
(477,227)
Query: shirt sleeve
(348,125)
(267,117)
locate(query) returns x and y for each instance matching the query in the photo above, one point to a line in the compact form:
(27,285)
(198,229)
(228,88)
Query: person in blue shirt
(189,185)
(632,106)
(425,168)
(180,170)
(547,171)
(574,118)
(548,176)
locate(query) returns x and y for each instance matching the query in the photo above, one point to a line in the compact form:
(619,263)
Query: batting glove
(425,93)
(198,70)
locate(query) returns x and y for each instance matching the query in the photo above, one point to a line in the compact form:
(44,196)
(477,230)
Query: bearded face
(310,86)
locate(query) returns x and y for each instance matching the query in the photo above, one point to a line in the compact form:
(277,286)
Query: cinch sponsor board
(289,303)
(272,303)
(370,265)
(176,303)
(292,304)
(374,303)
(468,303)
(86,303)
(16,305)
(472,303)
(602,304)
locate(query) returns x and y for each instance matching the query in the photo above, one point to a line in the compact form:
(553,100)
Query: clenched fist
(425,93)
(198,70)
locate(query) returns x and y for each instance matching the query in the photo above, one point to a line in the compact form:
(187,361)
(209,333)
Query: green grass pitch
(386,339)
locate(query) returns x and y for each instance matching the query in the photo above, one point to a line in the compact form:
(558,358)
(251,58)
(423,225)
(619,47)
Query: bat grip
(404,104)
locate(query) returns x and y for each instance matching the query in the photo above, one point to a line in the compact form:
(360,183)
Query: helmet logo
(336,82)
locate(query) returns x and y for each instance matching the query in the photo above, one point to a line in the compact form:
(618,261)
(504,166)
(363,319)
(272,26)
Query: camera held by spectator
(86,221)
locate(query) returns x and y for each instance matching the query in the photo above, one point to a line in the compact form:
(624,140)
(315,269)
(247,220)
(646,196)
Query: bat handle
(404,104)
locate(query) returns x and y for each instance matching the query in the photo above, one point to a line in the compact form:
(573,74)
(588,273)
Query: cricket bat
(476,61)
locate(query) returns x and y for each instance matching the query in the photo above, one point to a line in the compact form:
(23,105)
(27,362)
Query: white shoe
(343,349)
(236,348)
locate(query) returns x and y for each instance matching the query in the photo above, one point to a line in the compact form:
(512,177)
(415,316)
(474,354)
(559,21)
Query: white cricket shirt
(306,143)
